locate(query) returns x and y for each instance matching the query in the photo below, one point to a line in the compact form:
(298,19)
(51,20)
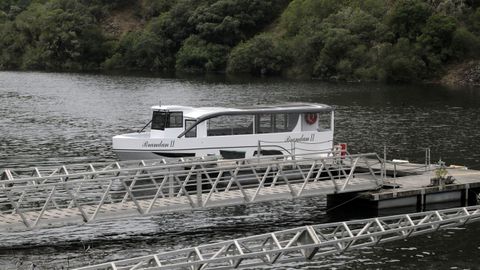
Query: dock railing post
(426,159)
(259,150)
(170,184)
(292,146)
(199,189)
(384,163)
(429,158)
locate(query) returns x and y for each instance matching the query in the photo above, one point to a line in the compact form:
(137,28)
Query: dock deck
(416,189)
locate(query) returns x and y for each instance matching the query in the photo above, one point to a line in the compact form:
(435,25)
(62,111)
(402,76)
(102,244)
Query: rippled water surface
(48,118)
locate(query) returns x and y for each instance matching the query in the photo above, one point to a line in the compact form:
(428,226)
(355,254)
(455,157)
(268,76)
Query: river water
(50,118)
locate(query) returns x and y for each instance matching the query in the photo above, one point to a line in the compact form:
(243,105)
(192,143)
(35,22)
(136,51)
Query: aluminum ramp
(80,193)
(299,244)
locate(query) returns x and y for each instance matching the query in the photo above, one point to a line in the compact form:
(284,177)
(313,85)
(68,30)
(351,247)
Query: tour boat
(181,131)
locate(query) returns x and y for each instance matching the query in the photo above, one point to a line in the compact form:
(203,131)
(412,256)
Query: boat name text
(302,138)
(160,144)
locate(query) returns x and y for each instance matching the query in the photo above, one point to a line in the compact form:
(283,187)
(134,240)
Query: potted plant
(441,176)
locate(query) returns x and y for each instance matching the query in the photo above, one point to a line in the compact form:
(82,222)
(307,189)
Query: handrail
(83,193)
(156,164)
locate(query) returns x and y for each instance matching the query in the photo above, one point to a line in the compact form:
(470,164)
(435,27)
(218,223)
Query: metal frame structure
(304,243)
(80,193)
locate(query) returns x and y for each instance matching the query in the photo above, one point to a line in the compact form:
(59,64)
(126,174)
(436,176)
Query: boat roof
(209,112)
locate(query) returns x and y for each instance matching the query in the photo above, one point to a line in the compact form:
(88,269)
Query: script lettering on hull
(302,138)
(160,144)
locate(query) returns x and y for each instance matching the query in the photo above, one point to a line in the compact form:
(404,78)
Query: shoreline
(464,74)
(458,74)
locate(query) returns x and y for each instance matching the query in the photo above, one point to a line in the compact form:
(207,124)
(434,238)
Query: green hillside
(374,40)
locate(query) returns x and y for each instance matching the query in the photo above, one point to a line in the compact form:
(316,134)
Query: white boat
(181,131)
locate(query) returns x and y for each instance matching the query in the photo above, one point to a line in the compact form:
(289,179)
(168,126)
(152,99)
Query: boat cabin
(188,122)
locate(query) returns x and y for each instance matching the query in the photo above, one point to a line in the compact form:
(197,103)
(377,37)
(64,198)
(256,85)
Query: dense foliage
(398,40)
(374,40)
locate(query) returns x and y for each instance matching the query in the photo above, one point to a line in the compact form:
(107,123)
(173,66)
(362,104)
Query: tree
(12,46)
(337,42)
(475,21)
(436,40)
(154,8)
(402,63)
(3,16)
(304,16)
(345,40)
(230,21)
(260,55)
(197,55)
(408,17)
(141,50)
(465,44)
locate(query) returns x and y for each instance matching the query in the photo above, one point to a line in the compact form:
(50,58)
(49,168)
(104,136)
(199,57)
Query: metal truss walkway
(80,193)
(304,243)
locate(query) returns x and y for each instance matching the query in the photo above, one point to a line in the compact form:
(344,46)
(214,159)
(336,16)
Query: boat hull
(135,155)
(132,147)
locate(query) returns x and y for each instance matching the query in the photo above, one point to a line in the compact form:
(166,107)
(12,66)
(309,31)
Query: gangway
(299,244)
(81,193)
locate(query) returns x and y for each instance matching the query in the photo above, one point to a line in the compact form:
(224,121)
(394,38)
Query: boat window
(164,119)
(159,120)
(175,120)
(264,123)
(193,132)
(292,121)
(230,125)
(281,122)
(285,122)
(324,121)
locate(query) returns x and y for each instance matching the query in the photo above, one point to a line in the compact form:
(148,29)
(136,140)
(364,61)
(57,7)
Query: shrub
(12,46)
(259,56)
(60,34)
(465,44)
(402,63)
(436,40)
(438,32)
(197,55)
(336,43)
(305,15)
(475,21)
(173,26)
(345,39)
(408,17)
(3,16)
(154,8)
(139,50)
(230,21)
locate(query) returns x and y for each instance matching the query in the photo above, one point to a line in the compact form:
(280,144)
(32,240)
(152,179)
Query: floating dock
(418,191)
(416,187)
